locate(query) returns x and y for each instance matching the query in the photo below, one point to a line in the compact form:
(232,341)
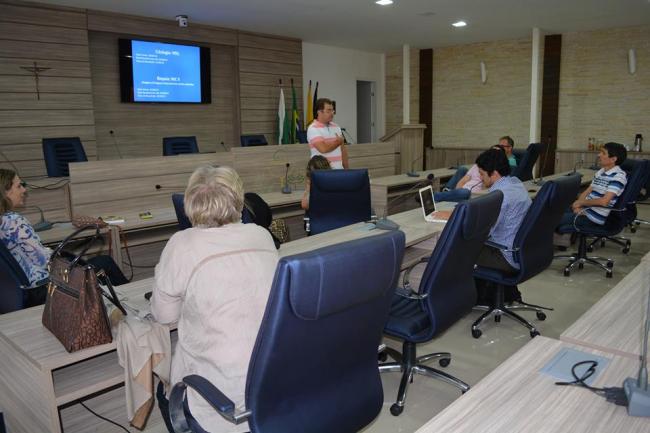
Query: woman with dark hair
(317,162)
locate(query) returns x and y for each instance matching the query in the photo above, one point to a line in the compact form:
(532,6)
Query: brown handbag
(74,311)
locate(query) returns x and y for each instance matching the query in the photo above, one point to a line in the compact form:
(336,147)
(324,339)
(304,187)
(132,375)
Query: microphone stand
(43,224)
(384,223)
(117,149)
(636,388)
(286,189)
(413,173)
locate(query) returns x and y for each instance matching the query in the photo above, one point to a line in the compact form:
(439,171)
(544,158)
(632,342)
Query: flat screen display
(164,73)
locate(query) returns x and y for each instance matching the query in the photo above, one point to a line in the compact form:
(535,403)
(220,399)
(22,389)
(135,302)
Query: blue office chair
(618,218)
(319,305)
(179,145)
(15,291)
(301,135)
(526,161)
(253,140)
(532,250)
(446,293)
(338,198)
(59,152)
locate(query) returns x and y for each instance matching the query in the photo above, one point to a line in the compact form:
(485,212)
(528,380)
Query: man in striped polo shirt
(595,203)
(325,137)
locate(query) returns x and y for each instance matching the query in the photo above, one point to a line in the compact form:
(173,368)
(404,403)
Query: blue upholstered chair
(253,140)
(526,161)
(15,293)
(533,251)
(338,198)
(622,214)
(446,293)
(59,152)
(179,145)
(319,305)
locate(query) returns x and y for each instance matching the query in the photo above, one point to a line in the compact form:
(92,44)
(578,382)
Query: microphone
(286,189)
(43,224)
(595,165)
(170,187)
(412,173)
(13,166)
(636,389)
(117,148)
(384,223)
(347,138)
(575,166)
(541,181)
(457,166)
(224,147)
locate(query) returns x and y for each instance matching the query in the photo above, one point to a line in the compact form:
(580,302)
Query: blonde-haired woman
(214,280)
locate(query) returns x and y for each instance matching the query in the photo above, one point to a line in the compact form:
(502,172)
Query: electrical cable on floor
(102,417)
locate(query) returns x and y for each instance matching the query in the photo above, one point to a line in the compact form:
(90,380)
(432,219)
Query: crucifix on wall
(35,70)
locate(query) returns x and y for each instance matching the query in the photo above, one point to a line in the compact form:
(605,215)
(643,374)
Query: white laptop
(429,205)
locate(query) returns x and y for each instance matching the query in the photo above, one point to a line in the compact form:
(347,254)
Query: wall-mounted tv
(164,73)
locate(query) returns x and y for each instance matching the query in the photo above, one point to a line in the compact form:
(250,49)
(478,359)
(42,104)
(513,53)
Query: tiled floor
(473,359)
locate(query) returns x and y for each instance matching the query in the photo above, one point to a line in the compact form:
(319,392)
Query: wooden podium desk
(516,397)
(615,324)
(38,377)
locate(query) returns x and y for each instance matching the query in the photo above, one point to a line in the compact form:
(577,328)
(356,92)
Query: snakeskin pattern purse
(74,311)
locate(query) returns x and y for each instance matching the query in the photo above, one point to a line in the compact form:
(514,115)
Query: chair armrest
(407,273)
(501,247)
(210,393)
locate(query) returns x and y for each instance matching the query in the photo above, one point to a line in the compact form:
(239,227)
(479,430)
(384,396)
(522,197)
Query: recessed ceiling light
(459,24)
(384,2)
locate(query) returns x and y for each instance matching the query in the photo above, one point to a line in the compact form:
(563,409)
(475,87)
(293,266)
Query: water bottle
(638,143)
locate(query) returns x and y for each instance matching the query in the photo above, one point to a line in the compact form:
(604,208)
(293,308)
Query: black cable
(102,417)
(138,266)
(614,395)
(51,186)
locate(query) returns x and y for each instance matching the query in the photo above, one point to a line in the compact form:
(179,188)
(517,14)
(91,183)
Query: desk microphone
(117,148)
(541,181)
(224,146)
(595,165)
(43,224)
(636,389)
(457,166)
(384,223)
(413,173)
(13,166)
(286,189)
(575,166)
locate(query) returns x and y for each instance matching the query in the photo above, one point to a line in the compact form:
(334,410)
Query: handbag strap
(68,238)
(112,297)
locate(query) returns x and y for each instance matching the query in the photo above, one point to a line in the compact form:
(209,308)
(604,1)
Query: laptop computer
(429,205)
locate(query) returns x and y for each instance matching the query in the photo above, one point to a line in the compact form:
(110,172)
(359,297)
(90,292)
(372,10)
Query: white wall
(337,71)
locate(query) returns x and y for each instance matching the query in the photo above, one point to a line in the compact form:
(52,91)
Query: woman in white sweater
(214,280)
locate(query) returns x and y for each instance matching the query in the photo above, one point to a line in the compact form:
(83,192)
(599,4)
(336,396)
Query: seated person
(462,184)
(23,242)
(508,144)
(593,205)
(214,279)
(494,169)
(317,162)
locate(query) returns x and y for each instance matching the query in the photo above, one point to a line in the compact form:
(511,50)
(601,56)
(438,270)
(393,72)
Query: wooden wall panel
(139,128)
(55,38)
(263,62)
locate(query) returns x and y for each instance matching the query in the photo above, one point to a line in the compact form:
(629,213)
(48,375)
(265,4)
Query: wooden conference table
(517,397)
(615,324)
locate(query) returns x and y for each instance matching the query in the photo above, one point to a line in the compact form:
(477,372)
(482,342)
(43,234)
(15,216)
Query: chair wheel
(602,243)
(382,357)
(534,333)
(590,249)
(633,229)
(396,409)
(625,250)
(581,265)
(476,333)
(610,264)
(608,274)
(444,362)
(497,318)
(541,315)
(567,272)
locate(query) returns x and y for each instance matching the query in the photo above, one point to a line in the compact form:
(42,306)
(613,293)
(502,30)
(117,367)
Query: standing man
(325,137)
(507,144)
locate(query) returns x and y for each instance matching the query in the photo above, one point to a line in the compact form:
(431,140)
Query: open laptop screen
(428,204)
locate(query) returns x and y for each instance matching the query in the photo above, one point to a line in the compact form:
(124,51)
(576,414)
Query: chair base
(580,258)
(409,364)
(499,308)
(622,241)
